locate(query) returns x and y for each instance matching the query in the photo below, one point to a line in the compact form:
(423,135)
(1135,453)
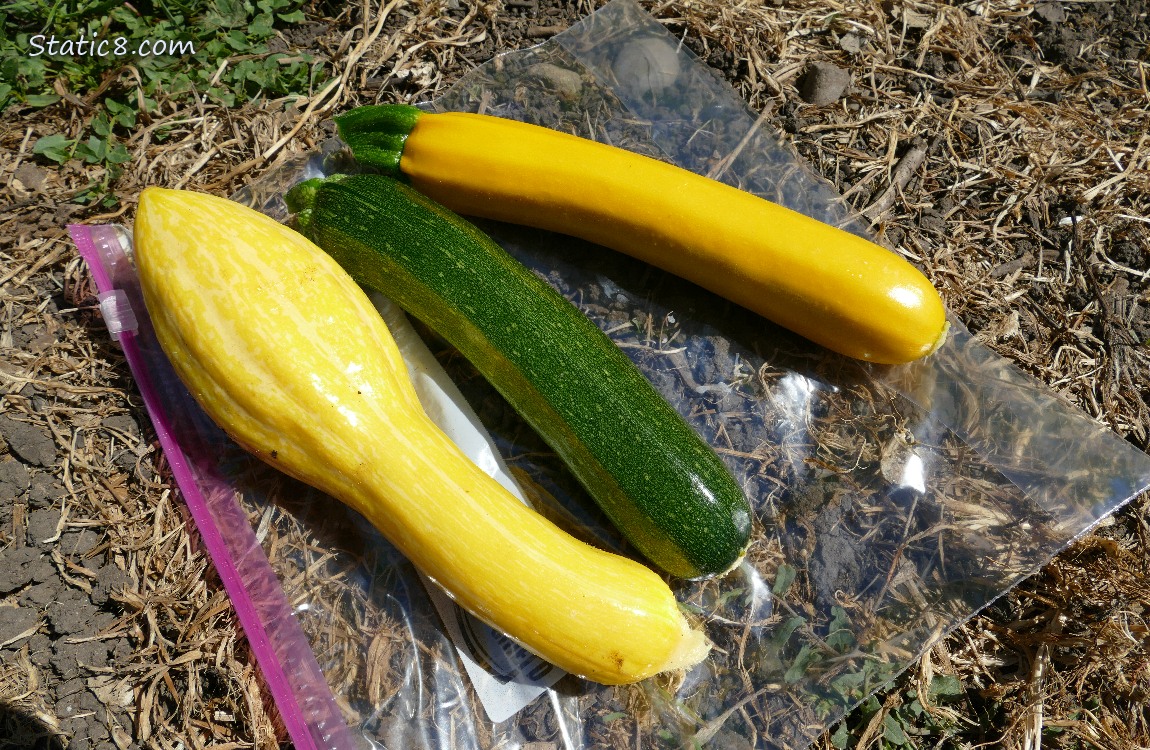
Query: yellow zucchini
(826,284)
(284,351)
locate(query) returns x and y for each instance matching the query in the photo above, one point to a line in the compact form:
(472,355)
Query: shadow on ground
(19,730)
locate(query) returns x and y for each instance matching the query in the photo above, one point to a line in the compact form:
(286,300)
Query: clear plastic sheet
(891,503)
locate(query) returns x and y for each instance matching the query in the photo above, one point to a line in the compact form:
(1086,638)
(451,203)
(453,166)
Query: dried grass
(26,720)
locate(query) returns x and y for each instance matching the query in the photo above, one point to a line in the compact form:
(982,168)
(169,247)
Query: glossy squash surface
(828,285)
(284,351)
(657,480)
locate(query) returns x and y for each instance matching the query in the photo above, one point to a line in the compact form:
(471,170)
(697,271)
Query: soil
(114,631)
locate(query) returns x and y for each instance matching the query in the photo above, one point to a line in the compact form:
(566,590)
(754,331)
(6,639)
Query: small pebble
(567,82)
(647,65)
(823,83)
(1052,13)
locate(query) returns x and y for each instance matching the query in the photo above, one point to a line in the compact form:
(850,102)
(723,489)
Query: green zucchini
(653,476)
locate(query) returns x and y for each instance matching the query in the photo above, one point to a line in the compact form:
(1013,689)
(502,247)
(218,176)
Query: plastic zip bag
(194,449)
(892,503)
(505,676)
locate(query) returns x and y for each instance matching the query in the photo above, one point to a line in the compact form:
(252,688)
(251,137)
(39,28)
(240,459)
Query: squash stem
(376,134)
(300,200)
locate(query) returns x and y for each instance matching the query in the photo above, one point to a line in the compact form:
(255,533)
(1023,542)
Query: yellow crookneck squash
(833,287)
(286,353)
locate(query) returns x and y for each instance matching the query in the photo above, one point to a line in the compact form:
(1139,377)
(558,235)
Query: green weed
(120,63)
(907,723)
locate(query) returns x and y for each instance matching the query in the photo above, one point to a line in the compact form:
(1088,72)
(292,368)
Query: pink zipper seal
(301,693)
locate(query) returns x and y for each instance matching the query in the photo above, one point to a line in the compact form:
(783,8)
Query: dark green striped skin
(662,486)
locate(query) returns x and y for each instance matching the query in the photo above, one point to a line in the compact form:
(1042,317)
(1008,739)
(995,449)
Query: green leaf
(690,607)
(101,126)
(841,736)
(261,73)
(784,577)
(223,96)
(799,667)
(41,100)
(93,151)
(55,147)
(237,40)
(892,731)
(261,27)
(296,16)
(117,154)
(784,632)
(944,686)
(215,49)
(179,84)
(869,707)
(728,596)
(33,70)
(90,194)
(849,685)
(123,115)
(840,636)
(228,13)
(99,7)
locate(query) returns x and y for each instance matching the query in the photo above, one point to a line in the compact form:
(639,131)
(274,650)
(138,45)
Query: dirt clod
(109,580)
(38,595)
(20,566)
(70,659)
(17,623)
(14,478)
(70,613)
(29,442)
(45,491)
(1051,13)
(31,176)
(566,82)
(42,525)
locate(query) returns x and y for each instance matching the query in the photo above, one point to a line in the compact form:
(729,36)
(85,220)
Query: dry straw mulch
(1002,144)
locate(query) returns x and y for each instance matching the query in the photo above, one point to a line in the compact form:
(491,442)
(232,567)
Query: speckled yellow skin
(286,353)
(828,285)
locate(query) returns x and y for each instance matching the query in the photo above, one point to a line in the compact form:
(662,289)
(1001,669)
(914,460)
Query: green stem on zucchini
(299,201)
(377,133)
